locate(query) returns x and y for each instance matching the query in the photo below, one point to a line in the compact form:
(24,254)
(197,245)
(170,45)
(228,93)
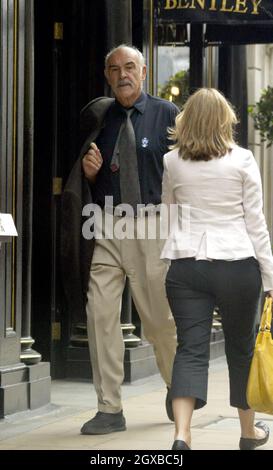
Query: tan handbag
(260,381)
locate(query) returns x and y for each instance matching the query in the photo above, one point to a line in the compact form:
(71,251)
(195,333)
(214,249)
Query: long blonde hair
(205,127)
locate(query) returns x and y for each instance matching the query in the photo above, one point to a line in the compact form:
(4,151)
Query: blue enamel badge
(144,142)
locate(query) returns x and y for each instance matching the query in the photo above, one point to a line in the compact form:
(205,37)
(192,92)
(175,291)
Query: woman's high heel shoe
(180,445)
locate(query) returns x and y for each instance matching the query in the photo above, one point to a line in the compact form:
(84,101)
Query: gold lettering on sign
(170,4)
(201,4)
(256,4)
(238,5)
(183,4)
(213,5)
(224,6)
(228,6)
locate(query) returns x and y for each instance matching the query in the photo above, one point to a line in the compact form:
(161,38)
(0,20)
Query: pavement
(57,426)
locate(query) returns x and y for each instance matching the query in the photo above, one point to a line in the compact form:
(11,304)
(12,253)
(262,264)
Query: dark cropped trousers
(194,288)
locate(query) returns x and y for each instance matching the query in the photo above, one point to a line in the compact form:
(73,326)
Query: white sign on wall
(7,228)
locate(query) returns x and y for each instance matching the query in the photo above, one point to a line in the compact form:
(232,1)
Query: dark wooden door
(69,55)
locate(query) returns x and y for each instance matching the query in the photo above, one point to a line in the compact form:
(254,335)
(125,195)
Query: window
(173,63)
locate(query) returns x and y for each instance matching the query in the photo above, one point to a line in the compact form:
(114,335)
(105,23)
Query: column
(22,386)
(28,355)
(196,57)
(130,340)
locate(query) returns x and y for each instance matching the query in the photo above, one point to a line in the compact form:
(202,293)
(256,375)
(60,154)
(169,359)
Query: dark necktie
(125,158)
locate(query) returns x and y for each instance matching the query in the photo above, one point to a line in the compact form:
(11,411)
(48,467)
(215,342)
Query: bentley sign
(217,11)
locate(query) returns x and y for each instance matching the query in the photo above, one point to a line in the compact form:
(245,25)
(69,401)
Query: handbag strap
(266,319)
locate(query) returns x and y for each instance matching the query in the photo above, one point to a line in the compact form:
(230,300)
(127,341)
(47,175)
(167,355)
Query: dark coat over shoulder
(76,252)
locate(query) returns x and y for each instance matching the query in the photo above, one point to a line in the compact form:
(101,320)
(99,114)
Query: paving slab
(57,426)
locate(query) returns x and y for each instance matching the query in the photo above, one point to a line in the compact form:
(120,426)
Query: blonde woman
(221,255)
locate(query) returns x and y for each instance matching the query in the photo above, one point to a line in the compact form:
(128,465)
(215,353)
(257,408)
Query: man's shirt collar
(139,104)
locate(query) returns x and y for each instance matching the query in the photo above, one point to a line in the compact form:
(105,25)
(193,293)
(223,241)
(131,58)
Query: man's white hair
(125,46)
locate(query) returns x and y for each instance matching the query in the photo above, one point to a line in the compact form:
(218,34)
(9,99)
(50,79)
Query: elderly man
(124,162)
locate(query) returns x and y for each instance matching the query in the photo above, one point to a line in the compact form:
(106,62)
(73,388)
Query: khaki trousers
(139,260)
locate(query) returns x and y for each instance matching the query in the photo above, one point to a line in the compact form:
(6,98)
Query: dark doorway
(69,54)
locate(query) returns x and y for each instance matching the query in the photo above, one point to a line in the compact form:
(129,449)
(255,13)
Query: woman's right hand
(92,162)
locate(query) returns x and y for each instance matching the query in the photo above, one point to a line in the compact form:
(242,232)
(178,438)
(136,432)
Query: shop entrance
(71,41)
(68,57)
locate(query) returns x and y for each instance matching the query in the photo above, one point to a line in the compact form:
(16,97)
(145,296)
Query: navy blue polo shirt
(151,118)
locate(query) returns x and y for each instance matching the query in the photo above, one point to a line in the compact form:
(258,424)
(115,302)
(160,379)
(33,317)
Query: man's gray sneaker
(105,423)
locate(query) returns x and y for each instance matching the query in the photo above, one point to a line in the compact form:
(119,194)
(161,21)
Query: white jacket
(223,197)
